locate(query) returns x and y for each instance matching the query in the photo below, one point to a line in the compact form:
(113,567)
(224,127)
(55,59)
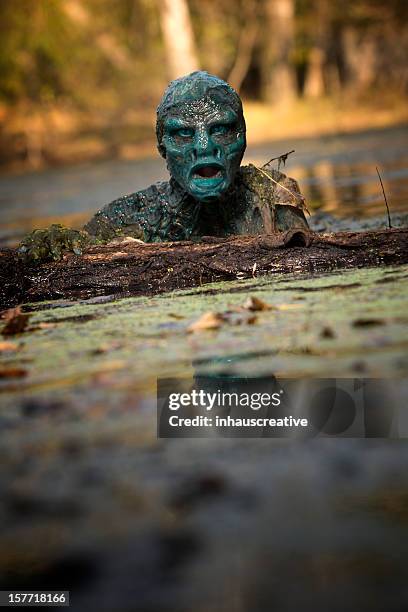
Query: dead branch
(146,269)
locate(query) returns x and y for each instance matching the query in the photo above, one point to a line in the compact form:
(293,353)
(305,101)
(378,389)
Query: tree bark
(129,268)
(360,58)
(315,85)
(246,44)
(181,54)
(278,72)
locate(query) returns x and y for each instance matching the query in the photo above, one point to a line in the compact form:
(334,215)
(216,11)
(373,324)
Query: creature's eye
(221,129)
(184,132)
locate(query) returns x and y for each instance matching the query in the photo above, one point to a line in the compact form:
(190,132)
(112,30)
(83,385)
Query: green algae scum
(94,503)
(316,327)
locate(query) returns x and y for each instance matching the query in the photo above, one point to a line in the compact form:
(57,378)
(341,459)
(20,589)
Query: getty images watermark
(266,407)
(208,401)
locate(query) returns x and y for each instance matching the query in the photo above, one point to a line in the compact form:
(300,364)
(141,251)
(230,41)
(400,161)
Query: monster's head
(201,133)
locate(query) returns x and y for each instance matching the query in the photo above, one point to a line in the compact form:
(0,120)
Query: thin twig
(281,159)
(385,199)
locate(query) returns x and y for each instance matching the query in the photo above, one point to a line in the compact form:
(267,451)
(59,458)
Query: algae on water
(347,324)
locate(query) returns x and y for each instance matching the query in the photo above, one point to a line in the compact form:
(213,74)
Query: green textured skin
(200,127)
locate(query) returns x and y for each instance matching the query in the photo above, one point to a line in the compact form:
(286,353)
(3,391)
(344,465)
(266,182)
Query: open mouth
(207,172)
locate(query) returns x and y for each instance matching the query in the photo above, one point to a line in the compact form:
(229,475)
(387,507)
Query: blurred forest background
(80,79)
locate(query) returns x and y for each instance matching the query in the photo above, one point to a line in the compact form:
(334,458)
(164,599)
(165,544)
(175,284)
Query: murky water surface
(116,510)
(337,174)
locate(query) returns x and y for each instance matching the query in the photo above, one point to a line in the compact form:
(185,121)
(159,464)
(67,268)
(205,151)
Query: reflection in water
(353,190)
(336,173)
(221,403)
(318,185)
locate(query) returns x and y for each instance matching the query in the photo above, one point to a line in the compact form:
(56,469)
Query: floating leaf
(12,372)
(106,347)
(327,333)
(175,315)
(214,320)
(256,304)
(42,325)
(289,306)
(16,321)
(8,346)
(209,320)
(367,322)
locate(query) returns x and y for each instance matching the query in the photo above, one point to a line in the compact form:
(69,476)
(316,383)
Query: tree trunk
(279,82)
(359,52)
(246,43)
(315,86)
(181,54)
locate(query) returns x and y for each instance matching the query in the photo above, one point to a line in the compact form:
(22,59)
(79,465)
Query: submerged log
(127,267)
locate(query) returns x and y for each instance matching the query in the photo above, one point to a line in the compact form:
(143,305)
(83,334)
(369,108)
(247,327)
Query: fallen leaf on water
(214,320)
(359,366)
(8,346)
(174,315)
(209,320)
(106,347)
(367,322)
(256,304)
(16,321)
(289,306)
(42,326)
(12,372)
(327,333)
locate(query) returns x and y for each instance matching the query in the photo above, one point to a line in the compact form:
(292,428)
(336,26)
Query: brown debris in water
(8,346)
(208,321)
(215,320)
(12,372)
(16,321)
(256,304)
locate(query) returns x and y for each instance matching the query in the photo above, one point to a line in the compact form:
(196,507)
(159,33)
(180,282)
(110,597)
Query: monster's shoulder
(271,197)
(128,214)
(269,184)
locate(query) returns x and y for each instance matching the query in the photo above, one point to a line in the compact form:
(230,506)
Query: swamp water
(337,175)
(92,501)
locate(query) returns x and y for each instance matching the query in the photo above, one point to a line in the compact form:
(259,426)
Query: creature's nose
(204,146)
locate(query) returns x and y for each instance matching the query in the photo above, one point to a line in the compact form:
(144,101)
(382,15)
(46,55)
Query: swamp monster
(201,134)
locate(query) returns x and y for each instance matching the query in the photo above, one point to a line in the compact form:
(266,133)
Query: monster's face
(204,142)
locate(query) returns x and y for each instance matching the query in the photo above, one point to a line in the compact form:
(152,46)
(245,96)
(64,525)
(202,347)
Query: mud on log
(126,267)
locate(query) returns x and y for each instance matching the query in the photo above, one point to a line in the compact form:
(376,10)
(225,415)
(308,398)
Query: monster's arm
(120,217)
(52,243)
